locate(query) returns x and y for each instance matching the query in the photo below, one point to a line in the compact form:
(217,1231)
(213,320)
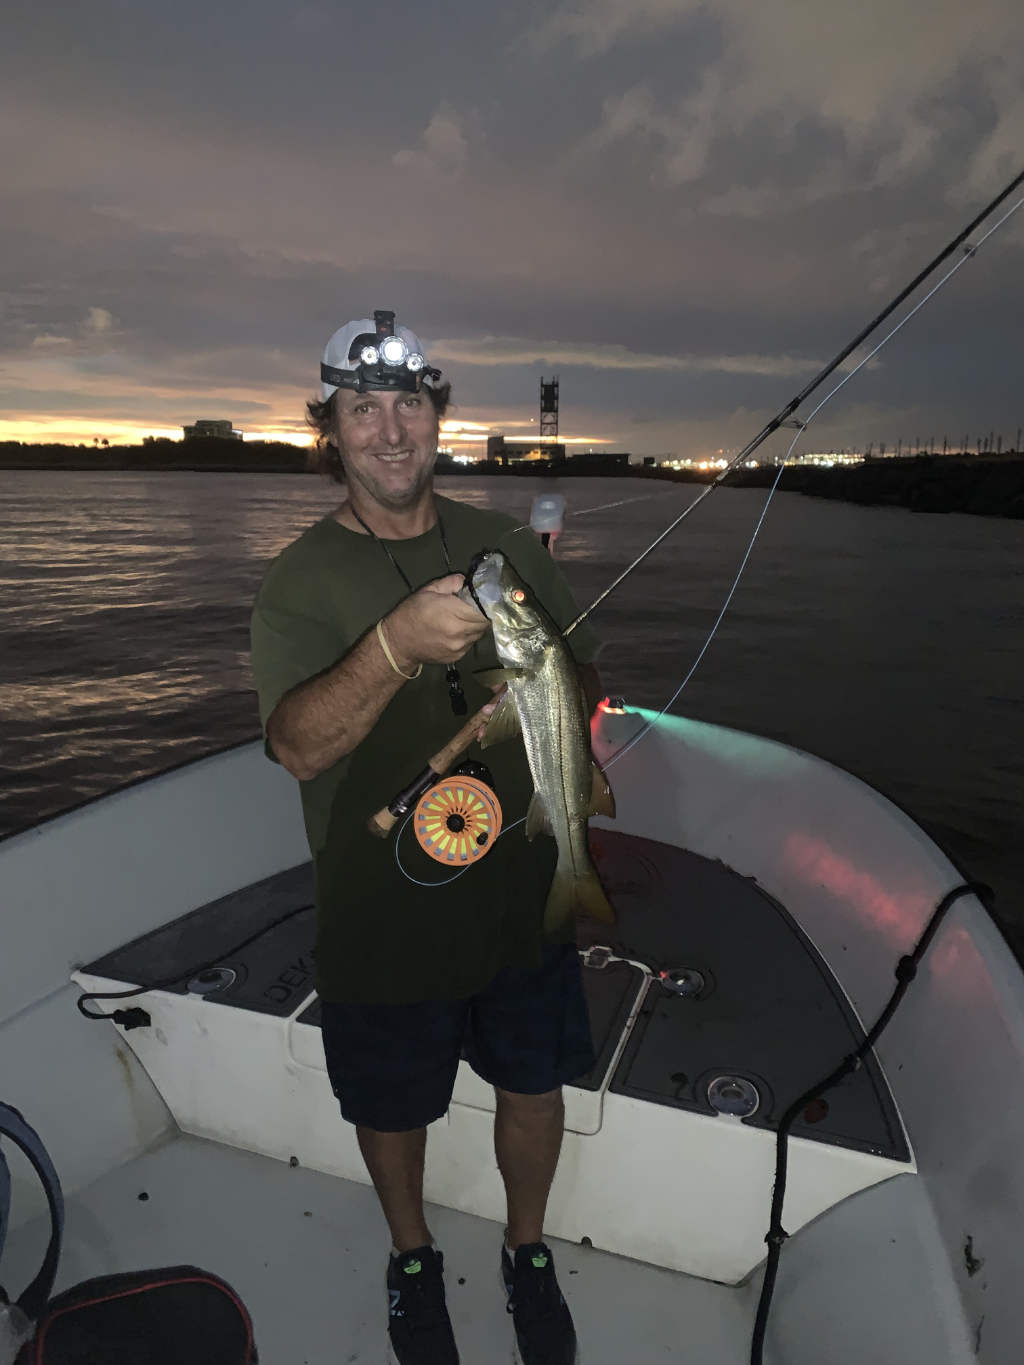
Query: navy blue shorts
(392,1067)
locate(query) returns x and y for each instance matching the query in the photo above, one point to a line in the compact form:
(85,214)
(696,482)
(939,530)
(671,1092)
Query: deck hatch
(776,1016)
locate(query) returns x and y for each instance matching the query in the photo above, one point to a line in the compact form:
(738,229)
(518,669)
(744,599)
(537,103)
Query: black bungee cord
(906,970)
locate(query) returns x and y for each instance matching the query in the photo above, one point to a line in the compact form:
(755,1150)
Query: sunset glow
(90,431)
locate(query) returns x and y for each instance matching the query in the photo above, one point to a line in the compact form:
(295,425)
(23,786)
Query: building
(211,426)
(505,451)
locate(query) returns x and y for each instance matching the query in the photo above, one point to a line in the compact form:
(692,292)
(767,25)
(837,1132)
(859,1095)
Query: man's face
(387,439)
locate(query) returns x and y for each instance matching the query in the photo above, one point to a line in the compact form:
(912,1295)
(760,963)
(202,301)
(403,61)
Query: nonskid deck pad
(769,1012)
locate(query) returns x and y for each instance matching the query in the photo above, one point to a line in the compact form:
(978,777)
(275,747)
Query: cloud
(900,85)
(491,350)
(187,233)
(596,25)
(684,132)
(99,320)
(442,148)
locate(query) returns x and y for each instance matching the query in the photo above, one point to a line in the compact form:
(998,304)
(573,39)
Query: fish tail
(571,896)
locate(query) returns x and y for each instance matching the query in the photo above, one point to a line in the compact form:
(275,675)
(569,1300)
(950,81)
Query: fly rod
(383,821)
(784,415)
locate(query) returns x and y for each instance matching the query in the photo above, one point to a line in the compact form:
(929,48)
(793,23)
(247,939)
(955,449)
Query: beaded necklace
(455,693)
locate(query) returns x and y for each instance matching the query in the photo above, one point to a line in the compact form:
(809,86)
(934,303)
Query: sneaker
(544,1330)
(418,1323)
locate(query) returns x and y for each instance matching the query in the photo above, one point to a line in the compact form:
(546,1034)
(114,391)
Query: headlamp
(380,360)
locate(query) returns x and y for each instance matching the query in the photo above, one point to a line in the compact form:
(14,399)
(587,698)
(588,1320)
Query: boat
(764,898)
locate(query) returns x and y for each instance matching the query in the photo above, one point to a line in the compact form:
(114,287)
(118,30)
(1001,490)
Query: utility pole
(999,444)
(899,447)
(945,445)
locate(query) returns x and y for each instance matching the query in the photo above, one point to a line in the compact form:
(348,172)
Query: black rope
(137,1017)
(906,970)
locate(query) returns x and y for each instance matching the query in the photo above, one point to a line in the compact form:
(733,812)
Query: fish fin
(537,818)
(495,677)
(602,800)
(571,896)
(503,724)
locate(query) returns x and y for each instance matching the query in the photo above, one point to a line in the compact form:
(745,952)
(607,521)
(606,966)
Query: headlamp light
(393,350)
(378,360)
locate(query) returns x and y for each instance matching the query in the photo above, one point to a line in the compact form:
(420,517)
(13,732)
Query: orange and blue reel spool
(457,820)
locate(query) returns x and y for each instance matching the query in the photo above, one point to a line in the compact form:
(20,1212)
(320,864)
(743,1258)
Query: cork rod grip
(383,822)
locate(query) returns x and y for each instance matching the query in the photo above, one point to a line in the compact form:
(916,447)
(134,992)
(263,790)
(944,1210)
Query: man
(361,652)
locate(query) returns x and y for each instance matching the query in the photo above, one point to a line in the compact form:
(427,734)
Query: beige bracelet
(390,657)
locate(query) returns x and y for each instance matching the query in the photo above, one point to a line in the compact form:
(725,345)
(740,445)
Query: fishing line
(707,643)
(800,432)
(603,506)
(779,420)
(782,418)
(455,875)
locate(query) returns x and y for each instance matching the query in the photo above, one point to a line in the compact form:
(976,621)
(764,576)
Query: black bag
(178,1315)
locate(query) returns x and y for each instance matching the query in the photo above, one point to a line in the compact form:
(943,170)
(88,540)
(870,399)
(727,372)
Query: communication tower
(549,406)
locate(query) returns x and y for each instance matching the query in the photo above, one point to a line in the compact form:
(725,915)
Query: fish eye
(518,595)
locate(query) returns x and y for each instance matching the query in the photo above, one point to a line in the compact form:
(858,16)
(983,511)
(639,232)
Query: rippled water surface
(889,642)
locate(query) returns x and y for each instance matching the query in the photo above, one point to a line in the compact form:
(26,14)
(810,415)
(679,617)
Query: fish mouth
(484,580)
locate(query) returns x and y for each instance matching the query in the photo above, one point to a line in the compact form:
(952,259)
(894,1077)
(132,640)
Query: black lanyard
(455,693)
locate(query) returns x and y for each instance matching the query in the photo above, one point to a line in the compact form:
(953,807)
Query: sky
(683,209)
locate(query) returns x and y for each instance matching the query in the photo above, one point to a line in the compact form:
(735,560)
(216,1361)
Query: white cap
(377,374)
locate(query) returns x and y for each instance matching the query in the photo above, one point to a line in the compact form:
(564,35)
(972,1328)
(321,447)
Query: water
(888,642)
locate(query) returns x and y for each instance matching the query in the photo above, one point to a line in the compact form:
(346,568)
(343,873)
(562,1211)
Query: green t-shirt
(380,935)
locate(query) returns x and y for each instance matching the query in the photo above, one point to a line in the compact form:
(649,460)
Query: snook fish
(546,703)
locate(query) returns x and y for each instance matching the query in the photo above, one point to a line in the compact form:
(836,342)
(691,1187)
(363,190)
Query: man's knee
(547,1103)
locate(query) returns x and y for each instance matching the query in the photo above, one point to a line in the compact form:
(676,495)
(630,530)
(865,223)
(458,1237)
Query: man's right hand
(433,626)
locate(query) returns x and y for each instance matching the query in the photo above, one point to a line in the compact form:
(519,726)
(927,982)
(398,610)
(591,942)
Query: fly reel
(458,819)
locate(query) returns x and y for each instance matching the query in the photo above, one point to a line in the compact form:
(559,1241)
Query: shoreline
(980,485)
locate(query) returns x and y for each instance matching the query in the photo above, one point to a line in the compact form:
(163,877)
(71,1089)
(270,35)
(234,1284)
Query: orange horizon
(90,432)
